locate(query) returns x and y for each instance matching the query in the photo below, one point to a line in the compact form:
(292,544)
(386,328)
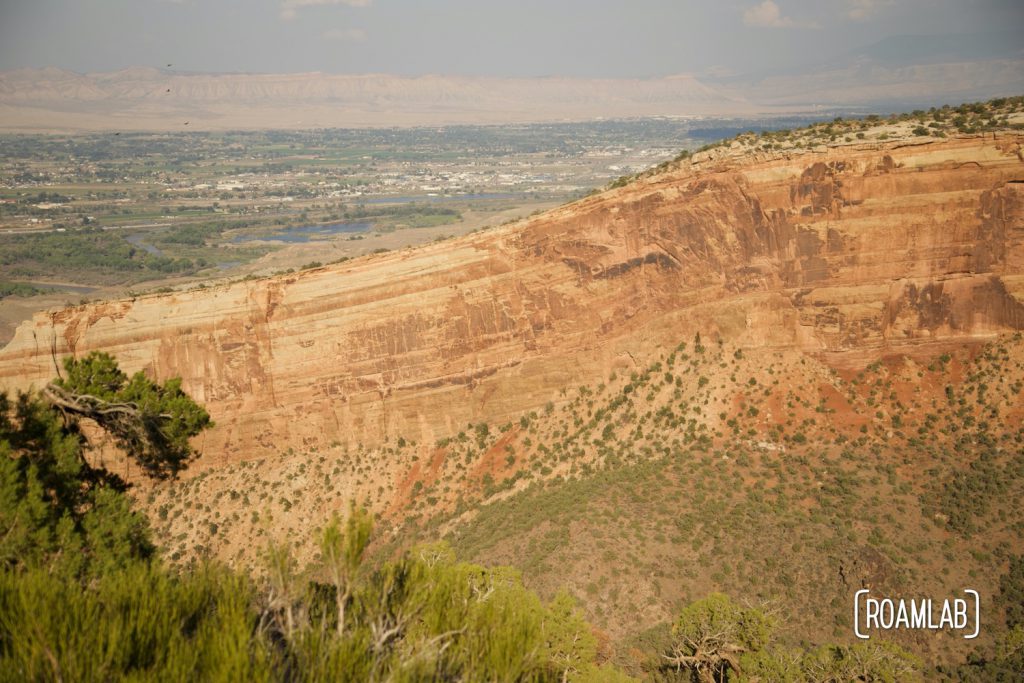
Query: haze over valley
(151,98)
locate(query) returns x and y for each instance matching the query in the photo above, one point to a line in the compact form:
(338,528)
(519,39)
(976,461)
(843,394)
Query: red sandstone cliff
(848,251)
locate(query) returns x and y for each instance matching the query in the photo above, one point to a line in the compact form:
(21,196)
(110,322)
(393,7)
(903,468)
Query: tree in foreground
(59,510)
(423,616)
(84,596)
(712,634)
(716,640)
(152,423)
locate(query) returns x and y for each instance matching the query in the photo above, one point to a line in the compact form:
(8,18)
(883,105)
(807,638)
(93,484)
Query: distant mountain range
(142,98)
(897,72)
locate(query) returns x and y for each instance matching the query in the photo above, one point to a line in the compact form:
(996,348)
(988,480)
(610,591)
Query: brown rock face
(850,252)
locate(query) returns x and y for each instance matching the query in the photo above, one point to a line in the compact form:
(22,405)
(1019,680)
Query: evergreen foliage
(715,639)
(1011,592)
(84,597)
(19,289)
(141,622)
(90,249)
(422,617)
(152,423)
(1003,666)
(55,514)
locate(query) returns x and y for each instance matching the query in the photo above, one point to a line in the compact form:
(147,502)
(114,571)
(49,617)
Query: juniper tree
(56,507)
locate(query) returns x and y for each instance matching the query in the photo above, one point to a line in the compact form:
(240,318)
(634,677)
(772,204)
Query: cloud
(769,15)
(860,10)
(351,35)
(290,7)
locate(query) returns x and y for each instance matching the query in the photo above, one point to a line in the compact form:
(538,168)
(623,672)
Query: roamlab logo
(887,614)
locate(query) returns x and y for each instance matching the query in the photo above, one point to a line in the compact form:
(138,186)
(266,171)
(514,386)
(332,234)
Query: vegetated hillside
(85,597)
(766,474)
(861,237)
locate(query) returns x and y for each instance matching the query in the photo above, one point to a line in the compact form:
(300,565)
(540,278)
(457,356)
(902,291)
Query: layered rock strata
(850,252)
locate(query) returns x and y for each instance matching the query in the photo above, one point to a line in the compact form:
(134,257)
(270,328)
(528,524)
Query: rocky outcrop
(851,252)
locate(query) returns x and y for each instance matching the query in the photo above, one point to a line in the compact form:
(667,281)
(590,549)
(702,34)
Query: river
(304,234)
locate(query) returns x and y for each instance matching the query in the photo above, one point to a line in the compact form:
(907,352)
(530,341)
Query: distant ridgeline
(939,122)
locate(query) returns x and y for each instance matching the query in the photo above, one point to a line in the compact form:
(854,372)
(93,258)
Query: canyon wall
(851,252)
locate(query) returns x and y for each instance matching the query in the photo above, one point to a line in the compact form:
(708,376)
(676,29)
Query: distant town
(113,214)
(113,180)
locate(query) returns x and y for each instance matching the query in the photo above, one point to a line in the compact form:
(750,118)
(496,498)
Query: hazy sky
(593,38)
